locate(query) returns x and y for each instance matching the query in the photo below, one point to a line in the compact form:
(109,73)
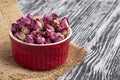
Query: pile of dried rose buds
(41,30)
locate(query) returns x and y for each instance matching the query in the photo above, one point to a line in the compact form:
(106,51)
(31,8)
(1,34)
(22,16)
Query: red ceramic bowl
(40,56)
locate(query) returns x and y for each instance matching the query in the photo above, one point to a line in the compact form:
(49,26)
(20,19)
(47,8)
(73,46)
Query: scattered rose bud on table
(41,30)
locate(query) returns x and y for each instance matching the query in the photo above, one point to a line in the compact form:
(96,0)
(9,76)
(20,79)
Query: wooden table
(95,25)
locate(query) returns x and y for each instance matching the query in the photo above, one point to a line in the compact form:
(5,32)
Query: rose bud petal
(47,26)
(25,30)
(64,22)
(57,37)
(58,27)
(36,17)
(19,21)
(27,21)
(54,15)
(33,17)
(24,21)
(42,33)
(29,16)
(29,39)
(15,28)
(40,25)
(33,23)
(48,32)
(20,36)
(65,32)
(37,25)
(56,21)
(35,32)
(48,40)
(46,19)
(40,40)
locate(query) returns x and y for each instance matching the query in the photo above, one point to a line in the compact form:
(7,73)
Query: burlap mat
(9,70)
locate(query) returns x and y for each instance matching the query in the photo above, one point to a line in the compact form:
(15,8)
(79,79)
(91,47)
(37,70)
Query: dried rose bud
(54,15)
(36,17)
(42,33)
(57,37)
(33,17)
(29,39)
(15,28)
(41,23)
(25,30)
(48,40)
(37,25)
(48,32)
(26,21)
(64,22)
(20,22)
(37,32)
(48,26)
(46,19)
(29,16)
(34,33)
(20,36)
(23,21)
(56,21)
(40,40)
(58,28)
(65,32)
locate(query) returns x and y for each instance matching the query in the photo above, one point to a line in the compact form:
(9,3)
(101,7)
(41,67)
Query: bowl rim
(30,44)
